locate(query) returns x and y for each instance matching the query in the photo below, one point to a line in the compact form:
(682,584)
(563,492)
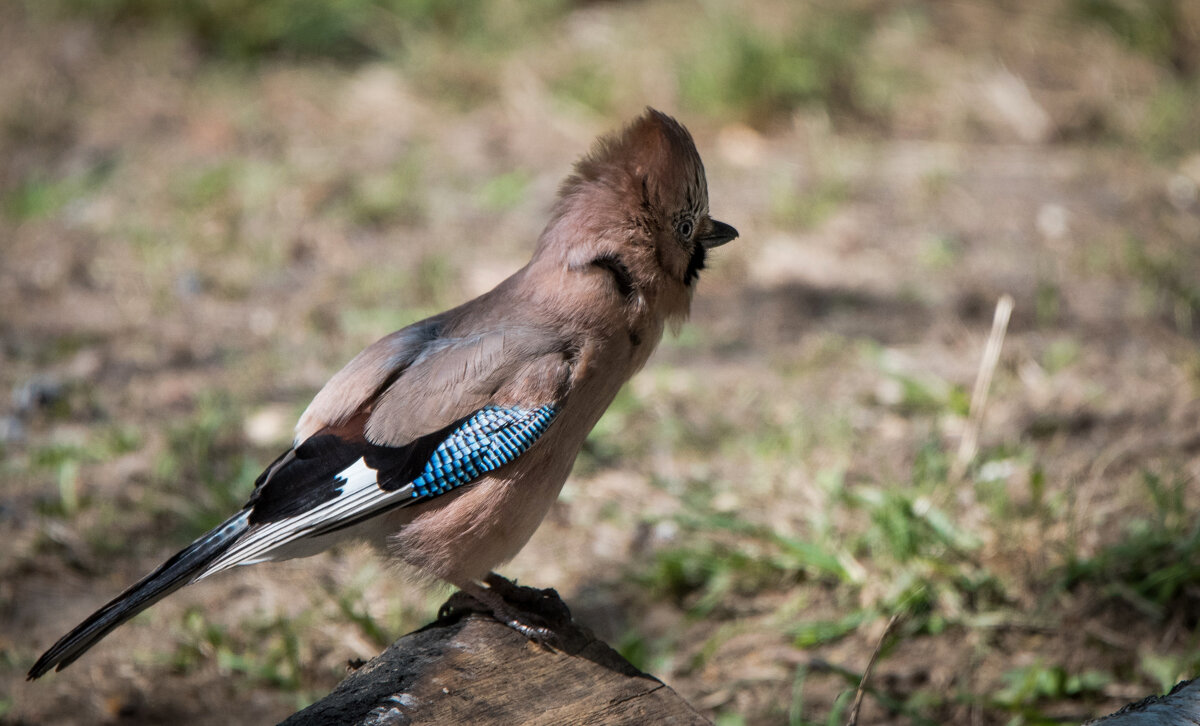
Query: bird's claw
(526,624)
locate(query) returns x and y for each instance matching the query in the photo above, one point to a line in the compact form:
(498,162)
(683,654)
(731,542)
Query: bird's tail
(183,568)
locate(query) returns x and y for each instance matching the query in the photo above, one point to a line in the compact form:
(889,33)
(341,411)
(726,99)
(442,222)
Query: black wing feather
(310,478)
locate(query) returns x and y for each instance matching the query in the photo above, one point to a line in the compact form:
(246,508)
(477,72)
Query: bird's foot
(545,603)
(531,625)
(530,611)
(459,604)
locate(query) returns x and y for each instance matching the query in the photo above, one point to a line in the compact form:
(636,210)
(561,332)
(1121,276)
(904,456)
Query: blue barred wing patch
(489,439)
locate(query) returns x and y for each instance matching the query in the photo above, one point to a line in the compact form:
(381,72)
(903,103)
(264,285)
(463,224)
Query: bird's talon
(542,635)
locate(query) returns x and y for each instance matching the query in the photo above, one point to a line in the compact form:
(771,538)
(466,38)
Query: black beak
(719,234)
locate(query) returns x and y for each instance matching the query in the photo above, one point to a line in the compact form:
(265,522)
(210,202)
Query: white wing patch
(358,495)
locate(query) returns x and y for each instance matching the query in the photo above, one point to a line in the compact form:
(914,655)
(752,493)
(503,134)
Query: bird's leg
(529,611)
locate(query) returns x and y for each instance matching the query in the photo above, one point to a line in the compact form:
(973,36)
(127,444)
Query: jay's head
(633,218)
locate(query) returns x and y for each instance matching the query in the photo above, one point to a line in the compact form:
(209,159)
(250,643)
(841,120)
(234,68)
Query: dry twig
(862,684)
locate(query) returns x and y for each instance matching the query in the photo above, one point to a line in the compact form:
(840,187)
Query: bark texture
(472,669)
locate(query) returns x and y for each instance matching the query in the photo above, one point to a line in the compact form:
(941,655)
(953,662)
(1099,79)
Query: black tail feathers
(183,568)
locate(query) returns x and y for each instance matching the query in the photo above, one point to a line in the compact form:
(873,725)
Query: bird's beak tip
(720,234)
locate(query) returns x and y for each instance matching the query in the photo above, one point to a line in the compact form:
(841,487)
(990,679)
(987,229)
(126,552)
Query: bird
(445,443)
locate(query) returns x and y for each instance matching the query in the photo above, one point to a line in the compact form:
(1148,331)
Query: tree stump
(472,669)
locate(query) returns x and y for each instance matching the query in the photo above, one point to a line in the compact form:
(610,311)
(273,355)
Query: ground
(204,216)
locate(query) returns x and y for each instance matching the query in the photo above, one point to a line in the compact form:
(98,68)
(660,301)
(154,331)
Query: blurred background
(206,208)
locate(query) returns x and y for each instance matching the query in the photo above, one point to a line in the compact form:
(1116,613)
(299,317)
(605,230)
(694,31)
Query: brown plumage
(516,377)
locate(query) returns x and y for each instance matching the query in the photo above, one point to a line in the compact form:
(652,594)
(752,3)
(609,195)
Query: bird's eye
(684,228)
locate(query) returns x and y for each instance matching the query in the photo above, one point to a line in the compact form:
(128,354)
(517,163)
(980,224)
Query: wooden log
(1180,707)
(471,669)
(468,668)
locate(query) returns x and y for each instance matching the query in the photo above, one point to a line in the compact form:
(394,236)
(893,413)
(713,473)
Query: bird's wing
(494,399)
(454,376)
(459,408)
(366,376)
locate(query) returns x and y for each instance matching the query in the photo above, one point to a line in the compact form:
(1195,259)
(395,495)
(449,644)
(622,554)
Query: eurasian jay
(445,443)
